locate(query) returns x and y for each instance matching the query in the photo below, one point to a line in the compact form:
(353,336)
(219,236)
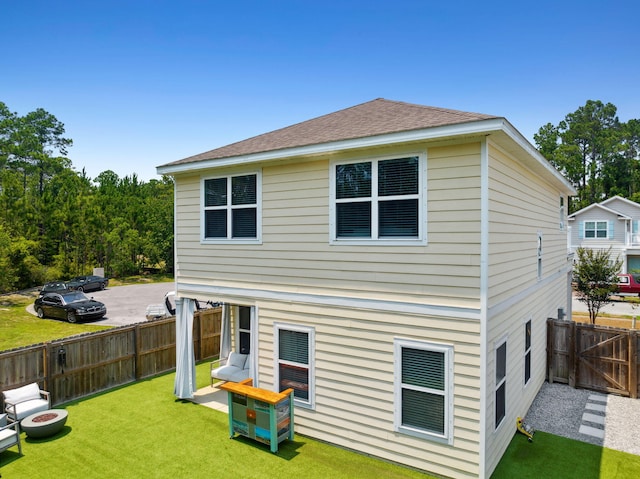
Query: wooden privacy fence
(78,366)
(600,358)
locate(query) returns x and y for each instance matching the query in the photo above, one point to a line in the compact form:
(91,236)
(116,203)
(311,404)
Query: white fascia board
(523,143)
(471,128)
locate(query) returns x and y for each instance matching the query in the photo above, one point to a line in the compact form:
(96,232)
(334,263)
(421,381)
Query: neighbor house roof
(597,206)
(376,117)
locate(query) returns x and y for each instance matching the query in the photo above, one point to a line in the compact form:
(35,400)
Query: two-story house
(610,224)
(395,264)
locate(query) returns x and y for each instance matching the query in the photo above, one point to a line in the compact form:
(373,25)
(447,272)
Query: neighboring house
(395,264)
(612,223)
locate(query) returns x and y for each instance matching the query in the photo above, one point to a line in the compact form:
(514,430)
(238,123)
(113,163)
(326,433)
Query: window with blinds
(231,208)
(378,199)
(293,357)
(527,351)
(423,389)
(501,383)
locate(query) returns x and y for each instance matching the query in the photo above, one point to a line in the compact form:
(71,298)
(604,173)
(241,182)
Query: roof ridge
(438,108)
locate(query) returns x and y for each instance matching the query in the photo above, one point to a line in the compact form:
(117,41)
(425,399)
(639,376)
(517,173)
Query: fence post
(45,366)
(633,364)
(573,356)
(136,354)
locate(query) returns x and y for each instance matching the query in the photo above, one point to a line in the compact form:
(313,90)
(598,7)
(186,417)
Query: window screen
(423,389)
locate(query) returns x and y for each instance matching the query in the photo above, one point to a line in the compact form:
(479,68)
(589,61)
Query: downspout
(484,287)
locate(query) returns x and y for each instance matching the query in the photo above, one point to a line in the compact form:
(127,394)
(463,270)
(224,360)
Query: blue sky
(142,83)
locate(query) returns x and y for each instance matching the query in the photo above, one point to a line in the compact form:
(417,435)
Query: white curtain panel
(185,383)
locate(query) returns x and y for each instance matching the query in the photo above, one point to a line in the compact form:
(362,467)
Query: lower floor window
(294,361)
(501,383)
(423,389)
(527,352)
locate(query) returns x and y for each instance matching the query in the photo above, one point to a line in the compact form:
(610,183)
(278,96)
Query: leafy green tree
(595,277)
(594,150)
(56,222)
(7,275)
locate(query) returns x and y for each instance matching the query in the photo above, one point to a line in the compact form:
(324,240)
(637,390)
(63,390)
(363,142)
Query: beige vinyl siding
(295,254)
(516,214)
(354,373)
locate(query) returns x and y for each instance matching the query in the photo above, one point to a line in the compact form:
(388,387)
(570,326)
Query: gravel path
(602,419)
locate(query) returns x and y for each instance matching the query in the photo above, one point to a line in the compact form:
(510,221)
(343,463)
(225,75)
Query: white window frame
(500,382)
(421,239)
(528,334)
(595,230)
(229,207)
(277,327)
(563,214)
(447,351)
(240,330)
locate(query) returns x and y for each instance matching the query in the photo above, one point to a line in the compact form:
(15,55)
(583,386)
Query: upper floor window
(595,229)
(539,255)
(563,213)
(231,208)
(378,199)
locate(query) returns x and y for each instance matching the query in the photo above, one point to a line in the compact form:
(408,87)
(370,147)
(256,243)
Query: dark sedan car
(54,287)
(73,306)
(88,283)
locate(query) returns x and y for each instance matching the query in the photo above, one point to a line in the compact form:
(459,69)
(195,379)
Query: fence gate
(603,360)
(593,357)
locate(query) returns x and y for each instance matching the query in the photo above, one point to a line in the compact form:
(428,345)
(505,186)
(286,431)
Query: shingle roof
(376,117)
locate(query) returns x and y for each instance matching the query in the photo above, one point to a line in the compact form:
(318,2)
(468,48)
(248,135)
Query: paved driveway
(616,308)
(127,304)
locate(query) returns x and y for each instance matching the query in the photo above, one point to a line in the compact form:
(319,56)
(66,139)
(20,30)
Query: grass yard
(555,457)
(143,431)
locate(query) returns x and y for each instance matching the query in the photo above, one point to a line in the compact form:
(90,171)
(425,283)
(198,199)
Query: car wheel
(40,313)
(71,316)
(80,288)
(102,286)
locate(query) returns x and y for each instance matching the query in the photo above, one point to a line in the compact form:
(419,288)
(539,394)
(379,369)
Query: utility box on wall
(259,414)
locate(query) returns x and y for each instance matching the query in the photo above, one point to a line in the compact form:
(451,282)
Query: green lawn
(142,430)
(550,457)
